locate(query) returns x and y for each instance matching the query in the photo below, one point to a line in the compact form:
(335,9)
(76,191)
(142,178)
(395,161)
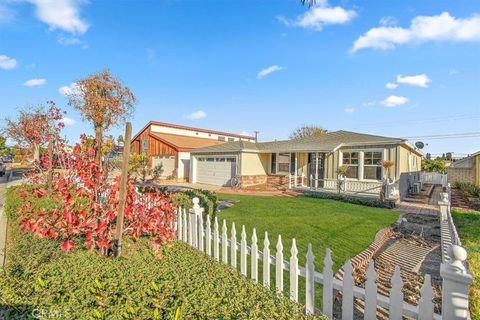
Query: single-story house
(170,145)
(311,161)
(465,170)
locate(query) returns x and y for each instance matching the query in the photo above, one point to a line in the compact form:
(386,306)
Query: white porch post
(316,170)
(295,172)
(361,157)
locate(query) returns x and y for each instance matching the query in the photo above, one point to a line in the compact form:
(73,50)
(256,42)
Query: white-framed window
(350,159)
(280,163)
(283,163)
(372,169)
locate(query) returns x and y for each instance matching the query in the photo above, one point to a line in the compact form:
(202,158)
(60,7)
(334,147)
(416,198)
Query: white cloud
(68,121)
(388,21)
(265,72)
(197,115)
(7,63)
(6,14)
(393,101)
(350,110)
(453,72)
(35,82)
(68,90)
(391,85)
(319,16)
(61,14)
(419,80)
(369,103)
(245,133)
(443,27)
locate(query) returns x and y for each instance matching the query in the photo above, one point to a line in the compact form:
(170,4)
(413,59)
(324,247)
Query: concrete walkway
(3,219)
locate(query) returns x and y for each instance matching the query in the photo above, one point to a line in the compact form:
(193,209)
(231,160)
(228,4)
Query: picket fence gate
(224,247)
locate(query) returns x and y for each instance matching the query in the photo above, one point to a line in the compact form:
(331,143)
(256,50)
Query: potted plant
(341,176)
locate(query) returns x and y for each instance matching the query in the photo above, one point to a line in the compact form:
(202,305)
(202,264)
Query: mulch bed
(459,200)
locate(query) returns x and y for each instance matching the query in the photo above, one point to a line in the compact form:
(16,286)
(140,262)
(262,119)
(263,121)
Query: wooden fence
(217,242)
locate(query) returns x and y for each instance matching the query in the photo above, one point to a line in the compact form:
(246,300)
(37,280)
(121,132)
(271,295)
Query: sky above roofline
(400,69)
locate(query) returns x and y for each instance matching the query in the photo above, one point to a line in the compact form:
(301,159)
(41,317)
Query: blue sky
(271,66)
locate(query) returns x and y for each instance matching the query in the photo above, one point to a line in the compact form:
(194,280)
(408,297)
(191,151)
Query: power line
(445,136)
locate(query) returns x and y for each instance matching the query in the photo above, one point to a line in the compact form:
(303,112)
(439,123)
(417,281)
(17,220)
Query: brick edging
(361,260)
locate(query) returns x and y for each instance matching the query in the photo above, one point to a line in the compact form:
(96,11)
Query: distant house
(312,160)
(465,170)
(170,145)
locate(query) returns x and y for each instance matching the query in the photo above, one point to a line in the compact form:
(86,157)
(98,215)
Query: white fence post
(233,247)
(279,265)
(310,282)
(216,240)
(396,296)
(243,252)
(185,225)
(208,237)
(455,284)
(224,242)
(425,306)
(179,223)
(266,261)
(200,231)
(347,292)
(254,273)
(371,292)
(294,272)
(190,228)
(328,284)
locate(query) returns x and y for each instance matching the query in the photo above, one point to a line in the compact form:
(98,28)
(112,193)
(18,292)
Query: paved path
(3,219)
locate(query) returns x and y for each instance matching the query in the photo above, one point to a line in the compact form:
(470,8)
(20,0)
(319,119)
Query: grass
(42,280)
(346,229)
(468,225)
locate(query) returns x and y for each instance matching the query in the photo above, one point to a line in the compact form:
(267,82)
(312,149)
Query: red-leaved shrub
(82,206)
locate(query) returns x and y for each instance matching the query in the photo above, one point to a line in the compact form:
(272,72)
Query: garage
(216,170)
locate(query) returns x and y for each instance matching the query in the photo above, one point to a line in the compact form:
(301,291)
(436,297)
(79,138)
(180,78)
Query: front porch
(318,171)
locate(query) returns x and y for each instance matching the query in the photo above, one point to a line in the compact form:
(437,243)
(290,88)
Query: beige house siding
(406,162)
(252,164)
(477,169)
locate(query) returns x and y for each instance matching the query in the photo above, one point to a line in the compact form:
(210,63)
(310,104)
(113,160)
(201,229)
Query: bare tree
(307,131)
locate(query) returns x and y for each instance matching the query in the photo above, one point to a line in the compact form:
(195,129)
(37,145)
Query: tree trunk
(98,146)
(50,166)
(36,152)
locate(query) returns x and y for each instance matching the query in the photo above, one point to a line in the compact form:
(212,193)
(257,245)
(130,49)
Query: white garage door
(216,170)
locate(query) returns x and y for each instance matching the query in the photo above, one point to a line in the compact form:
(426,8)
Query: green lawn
(468,225)
(345,228)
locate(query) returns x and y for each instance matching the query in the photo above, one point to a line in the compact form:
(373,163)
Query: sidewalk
(3,219)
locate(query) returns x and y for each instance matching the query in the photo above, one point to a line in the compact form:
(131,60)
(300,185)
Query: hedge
(208,201)
(364,201)
(41,279)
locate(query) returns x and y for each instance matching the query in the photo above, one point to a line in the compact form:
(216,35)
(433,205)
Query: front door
(316,167)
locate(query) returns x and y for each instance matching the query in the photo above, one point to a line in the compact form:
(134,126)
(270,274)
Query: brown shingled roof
(185,143)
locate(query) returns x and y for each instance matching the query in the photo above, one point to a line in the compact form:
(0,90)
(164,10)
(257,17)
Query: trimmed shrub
(468,188)
(42,281)
(208,201)
(369,202)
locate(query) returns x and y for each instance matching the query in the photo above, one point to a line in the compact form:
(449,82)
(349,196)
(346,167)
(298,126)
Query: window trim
(372,165)
(277,156)
(361,159)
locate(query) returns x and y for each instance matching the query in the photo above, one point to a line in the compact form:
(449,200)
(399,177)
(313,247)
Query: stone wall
(277,181)
(461,175)
(253,180)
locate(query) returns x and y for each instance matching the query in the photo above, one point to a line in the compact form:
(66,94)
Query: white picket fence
(223,246)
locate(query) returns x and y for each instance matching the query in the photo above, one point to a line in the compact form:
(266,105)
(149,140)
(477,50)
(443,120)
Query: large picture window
(283,162)
(372,169)
(350,159)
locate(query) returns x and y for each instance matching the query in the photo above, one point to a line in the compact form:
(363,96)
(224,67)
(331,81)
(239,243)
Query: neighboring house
(465,170)
(312,160)
(170,145)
